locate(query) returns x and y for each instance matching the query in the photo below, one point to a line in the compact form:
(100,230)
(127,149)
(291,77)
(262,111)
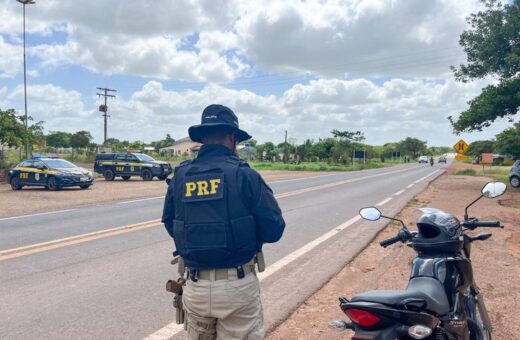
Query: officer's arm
(264,208)
(168,210)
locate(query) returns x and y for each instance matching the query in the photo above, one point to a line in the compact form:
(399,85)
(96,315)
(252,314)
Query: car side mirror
(370,213)
(494,189)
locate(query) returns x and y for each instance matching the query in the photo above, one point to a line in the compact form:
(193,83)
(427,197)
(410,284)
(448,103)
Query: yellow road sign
(461,158)
(461,147)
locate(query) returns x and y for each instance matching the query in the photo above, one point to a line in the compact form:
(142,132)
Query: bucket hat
(213,117)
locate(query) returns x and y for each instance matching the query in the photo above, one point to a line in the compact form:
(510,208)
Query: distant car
(514,174)
(126,165)
(52,173)
(443,159)
(423,159)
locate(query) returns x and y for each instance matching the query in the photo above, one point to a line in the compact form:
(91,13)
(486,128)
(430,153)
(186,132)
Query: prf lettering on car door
(203,187)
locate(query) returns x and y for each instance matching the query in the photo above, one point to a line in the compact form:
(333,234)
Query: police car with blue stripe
(50,172)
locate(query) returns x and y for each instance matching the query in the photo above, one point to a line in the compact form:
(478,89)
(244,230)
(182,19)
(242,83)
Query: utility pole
(25,2)
(104,108)
(285,149)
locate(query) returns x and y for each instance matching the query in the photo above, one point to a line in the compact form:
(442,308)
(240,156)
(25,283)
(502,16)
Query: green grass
(498,173)
(11,158)
(466,172)
(310,166)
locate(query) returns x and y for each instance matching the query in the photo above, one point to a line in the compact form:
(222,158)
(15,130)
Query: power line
(104,108)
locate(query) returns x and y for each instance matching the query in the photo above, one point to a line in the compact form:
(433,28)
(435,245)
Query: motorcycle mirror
(494,189)
(370,213)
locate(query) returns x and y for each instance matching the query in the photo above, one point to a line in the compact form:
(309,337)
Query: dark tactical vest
(212,226)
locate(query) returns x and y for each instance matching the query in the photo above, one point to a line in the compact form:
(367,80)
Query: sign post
(461,147)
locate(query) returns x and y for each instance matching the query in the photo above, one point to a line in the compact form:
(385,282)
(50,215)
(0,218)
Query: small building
(183,146)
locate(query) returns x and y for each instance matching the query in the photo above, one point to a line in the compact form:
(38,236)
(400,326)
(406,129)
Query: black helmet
(217,116)
(438,232)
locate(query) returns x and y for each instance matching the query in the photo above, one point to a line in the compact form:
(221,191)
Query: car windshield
(59,164)
(144,157)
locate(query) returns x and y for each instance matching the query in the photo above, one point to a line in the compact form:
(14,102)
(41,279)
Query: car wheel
(147,175)
(15,183)
(161,177)
(85,186)
(52,184)
(515,181)
(109,175)
(125,178)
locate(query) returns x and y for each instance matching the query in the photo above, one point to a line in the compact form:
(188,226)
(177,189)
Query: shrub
(466,172)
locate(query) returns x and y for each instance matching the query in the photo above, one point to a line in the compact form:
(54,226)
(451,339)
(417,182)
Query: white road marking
(410,185)
(383,202)
(303,178)
(399,193)
(423,178)
(141,199)
(39,214)
(173,329)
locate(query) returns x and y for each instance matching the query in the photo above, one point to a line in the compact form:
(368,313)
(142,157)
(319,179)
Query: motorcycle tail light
(362,317)
(419,331)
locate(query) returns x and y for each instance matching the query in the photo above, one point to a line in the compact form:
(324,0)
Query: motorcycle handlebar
(390,241)
(492,224)
(475,224)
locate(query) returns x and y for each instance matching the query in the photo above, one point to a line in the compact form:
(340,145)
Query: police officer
(219,212)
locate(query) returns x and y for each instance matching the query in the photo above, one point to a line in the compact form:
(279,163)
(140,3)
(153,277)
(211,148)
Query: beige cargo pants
(224,309)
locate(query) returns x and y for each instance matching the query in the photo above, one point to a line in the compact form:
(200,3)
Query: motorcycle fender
(380,334)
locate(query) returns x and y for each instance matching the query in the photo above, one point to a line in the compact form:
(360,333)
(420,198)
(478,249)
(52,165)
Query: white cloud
(408,43)
(145,38)
(330,38)
(11,59)
(210,41)
(59,109)
(385,112)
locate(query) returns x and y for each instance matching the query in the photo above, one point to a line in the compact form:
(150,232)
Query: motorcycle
(431,161)
(442,300)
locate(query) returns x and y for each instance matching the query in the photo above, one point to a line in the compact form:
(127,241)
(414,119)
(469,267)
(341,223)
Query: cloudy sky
(379,66)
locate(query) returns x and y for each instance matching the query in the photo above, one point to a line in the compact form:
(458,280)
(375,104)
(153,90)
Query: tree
(356,136)
(492,45)
(508,141)
(479,147)
(304,151)
(80,139)
(136,145)
(58,139)
(12,130)
(168,141)
(413,146)
(14,133)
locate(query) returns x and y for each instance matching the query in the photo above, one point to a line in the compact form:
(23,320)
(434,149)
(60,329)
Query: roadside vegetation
(498,173)
(342,151)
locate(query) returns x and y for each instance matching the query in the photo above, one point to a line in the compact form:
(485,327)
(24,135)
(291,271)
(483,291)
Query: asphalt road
(98,272)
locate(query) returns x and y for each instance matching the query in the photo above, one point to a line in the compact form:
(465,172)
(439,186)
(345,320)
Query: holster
(260,261)
(179,310)
(175,287)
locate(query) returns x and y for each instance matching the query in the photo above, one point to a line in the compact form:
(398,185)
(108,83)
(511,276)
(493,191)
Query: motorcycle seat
(424,288)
